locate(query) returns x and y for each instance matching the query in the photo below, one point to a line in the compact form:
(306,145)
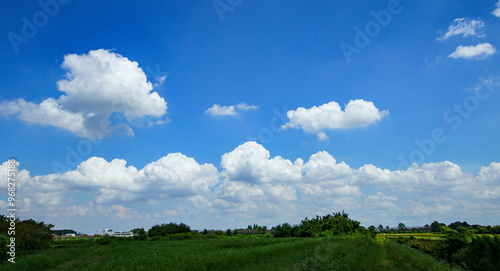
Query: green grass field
(341,253)
(426,236)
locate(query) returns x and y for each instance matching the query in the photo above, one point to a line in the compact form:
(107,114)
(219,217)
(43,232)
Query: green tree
(445,229)
(436,226)
(380,228)
(4,241)
(170,228)
(373,230)
(283,230)
(455,225)
(401,227)
(33,235)
(229,233)
(139,234)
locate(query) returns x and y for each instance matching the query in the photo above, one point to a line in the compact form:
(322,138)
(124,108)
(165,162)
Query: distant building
(64,233)
(108,232)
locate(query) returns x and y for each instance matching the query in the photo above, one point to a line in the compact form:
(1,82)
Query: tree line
(437,227)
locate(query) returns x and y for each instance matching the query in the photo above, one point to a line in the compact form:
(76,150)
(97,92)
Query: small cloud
(479,51)
(322,136)
(357,113)
(159,81)
(229,110)
(465,27)
(244,106)
(218,110)
(162,121)
(496,12)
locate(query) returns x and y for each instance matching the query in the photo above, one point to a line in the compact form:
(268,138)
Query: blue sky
(237,97)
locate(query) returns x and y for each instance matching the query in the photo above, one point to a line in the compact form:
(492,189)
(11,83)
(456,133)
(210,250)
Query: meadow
(323,253)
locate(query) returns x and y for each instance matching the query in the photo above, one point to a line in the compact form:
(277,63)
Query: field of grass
(426,236)
(341,253)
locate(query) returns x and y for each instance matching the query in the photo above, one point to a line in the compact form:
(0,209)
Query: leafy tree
(170,228)
(229,233)
(205,232)
(436,226)
(401,226)
(445,229)
(455,225)
(33,235)
(4,241)
(283,230)
(139,234)
(336,224)
(373,230)
(380,228)
(484,253)
(263,230)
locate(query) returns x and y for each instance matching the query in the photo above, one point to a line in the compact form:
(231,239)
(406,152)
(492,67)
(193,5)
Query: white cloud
(479,51)
(357,113)
(218,110)
(244,106)
(48,112)
(322,136)
(229,110)
(250,162)
(98,85)
(496,12)
(323,167)
(465,27)
(179,175)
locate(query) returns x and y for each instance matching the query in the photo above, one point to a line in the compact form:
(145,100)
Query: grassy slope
(234,254)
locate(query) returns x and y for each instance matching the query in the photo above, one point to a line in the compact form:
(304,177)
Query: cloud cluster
(254,187)
(103,93)
(496,12)
(229,110)
(468,27)
(357,113)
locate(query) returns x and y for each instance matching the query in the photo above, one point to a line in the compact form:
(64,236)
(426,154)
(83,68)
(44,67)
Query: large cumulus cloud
(103,93)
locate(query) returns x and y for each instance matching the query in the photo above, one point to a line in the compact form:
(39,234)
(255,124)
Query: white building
(107,232)
(123,234)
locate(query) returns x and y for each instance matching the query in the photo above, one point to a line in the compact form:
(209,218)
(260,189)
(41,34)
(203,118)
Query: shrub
(171,228)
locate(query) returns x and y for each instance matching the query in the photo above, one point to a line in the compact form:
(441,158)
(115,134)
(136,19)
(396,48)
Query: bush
(4,241)
(484,253)
(171,228)
(32,235)
(140,234)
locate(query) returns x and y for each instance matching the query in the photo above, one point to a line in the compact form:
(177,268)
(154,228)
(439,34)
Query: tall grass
(340,253)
